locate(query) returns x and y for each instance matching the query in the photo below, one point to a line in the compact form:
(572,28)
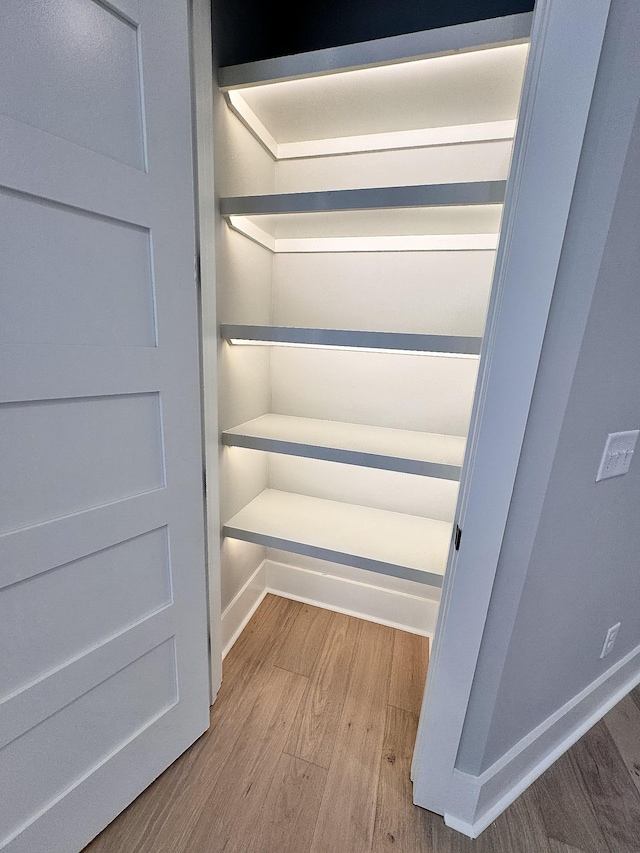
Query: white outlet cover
(610,639)
(616,457)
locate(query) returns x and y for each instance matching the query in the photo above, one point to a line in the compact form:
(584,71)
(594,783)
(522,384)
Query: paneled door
(103,637)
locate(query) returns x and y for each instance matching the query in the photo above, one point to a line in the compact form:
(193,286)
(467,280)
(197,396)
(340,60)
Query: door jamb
(202,84)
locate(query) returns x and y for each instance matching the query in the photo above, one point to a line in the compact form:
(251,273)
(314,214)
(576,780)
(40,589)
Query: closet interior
(360,198)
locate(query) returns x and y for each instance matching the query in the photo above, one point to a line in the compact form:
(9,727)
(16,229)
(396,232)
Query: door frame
(558,87)
(207,223)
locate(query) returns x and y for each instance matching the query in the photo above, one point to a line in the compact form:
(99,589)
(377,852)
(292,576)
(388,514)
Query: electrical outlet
(610,640)
(617,454)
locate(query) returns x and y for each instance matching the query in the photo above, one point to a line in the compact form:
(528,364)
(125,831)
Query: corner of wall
(476,801)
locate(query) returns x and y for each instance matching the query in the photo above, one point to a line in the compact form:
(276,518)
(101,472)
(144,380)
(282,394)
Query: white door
(103,647)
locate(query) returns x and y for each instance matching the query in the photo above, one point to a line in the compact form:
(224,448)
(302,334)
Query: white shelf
(370,198)
(391,543)
(397,342)
(334,102)
(439,217)
(426,454)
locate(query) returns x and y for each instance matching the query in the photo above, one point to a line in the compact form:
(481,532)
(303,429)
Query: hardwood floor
(310,747)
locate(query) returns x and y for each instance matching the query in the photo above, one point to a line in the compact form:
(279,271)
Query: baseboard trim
(365,601)
(242,607)
(479,800)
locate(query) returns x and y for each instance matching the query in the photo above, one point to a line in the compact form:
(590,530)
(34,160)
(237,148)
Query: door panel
(132,579)
(107,448)
(80,736)
(87,57)
(103,671)
(100,289)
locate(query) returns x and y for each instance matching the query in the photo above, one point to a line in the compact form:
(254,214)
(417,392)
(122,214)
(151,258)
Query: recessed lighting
(255,343)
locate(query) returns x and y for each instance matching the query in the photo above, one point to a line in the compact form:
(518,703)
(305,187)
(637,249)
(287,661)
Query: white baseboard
(478,800)
(365,601)
(241,609)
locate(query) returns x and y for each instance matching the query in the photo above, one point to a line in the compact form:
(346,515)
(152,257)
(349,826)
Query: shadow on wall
(249,30)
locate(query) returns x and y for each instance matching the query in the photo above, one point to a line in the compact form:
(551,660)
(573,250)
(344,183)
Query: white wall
(432,394)
(568,567)
(447,292)
(393,491)
(480,161)
(243,272)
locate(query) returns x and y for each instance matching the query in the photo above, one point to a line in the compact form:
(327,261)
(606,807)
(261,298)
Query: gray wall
(570,562)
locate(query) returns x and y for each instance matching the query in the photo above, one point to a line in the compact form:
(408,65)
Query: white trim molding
(240,610)
(476,801)
(206,215)
(412,613)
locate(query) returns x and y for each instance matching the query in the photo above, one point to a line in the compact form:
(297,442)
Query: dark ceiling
(247,30)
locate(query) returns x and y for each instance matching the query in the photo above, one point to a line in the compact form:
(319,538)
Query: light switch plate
(617,454)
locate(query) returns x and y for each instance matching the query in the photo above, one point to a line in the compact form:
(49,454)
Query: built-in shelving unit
(436,217)
(358,263)
(427,454)
(371,198)
(403,545)
(397,342)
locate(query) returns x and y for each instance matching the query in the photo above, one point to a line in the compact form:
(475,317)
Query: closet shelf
(425,195)
(400,342)
(439,217)
(390,543)
(392,140)
(329,101)
(427,454)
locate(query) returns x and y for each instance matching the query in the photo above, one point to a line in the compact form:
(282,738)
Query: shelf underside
(412,452)
(390,543)
(399,342)
(469,193)
(294,118)
(449,228)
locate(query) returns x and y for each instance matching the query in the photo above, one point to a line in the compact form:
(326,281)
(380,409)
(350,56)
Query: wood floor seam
(311,763)
(313,734)
(292,671)
(398,707)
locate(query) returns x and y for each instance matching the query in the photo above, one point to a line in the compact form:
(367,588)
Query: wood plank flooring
(310,747)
